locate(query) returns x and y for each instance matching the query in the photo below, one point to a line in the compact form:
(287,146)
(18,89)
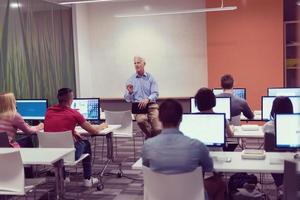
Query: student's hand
(143,103)
(40,126)
(103,126)
(100,127)
(77,136)
(130,88)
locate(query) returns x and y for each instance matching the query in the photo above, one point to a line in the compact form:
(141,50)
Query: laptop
(136,110)
(4,142)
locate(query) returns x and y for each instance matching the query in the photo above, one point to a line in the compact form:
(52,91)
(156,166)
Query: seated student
(11,120)
(281,105)
(61,117)
(238,105)
(205,100)
(172,152)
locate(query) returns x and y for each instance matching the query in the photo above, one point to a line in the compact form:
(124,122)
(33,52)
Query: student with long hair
(11,120)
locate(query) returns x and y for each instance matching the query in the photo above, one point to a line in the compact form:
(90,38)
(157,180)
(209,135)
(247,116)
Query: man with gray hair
(141,88)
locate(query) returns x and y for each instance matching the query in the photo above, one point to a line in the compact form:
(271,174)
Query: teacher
(142,88)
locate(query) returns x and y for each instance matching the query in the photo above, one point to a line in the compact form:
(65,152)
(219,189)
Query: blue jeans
(82,147)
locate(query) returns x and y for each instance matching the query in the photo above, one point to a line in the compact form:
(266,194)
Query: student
(61,117)
(171,152)
(205,101)
(11,120)
(238,105)
(281,105)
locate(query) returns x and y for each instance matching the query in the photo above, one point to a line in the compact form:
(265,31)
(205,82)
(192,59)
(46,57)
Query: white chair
(60,140)
(12,178)
(123,118)
(159,186)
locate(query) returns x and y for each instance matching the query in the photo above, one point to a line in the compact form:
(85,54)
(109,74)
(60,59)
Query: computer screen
(287,130)
(222,106)
(283,91)
(267,103)
(208,128)
(240,92)
(32,109)
(88,107)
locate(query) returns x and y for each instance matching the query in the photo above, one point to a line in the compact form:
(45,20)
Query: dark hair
(205,99)
(170,112)
(63,95)
(227,81)
(281,105)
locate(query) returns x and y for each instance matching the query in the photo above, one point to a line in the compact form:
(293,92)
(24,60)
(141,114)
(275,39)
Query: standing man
(142,88)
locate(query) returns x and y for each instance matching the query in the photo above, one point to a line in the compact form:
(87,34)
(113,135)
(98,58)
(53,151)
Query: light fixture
(84,1)
(201,10)
(15,5)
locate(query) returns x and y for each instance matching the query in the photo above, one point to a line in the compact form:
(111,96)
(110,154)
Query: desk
(257,117)
(45,156)
(239,133)
(238,164)
(108,133)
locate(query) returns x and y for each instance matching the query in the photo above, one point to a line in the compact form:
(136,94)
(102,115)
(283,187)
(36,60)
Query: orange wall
(247,43)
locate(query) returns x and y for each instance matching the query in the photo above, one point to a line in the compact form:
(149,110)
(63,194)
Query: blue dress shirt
(143,87)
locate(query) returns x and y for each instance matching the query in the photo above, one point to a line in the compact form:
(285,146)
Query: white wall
(174,47)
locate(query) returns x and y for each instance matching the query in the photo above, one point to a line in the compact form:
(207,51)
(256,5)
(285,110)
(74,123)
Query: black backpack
(238,180)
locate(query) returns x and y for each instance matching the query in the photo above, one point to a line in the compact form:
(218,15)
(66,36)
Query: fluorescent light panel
(180,12)
(80,2)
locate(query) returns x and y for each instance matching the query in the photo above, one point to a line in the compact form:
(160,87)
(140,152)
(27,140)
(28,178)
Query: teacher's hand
(130,88)
(143,103)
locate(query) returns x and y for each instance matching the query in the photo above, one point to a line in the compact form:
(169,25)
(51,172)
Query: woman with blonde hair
(11,120)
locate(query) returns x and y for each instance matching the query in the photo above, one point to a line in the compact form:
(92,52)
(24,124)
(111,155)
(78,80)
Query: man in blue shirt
(172,152)
(142,88)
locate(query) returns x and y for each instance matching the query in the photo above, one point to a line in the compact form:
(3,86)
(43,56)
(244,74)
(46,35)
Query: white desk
(239,133)
(257,117)
(238,164)
(108,130)
(45,156)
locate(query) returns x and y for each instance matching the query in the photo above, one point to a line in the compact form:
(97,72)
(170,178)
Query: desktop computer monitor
(283,91)
(223,105)
(287,131)
(32,109)
(88,107)
(239,92)
(208,128)
(267,102)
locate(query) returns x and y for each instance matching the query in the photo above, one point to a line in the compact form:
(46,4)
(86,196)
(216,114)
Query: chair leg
(116,147)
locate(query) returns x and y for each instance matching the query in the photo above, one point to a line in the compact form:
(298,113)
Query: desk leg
(59,175)
(109,157)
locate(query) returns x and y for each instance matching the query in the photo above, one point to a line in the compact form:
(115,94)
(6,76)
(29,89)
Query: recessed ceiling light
(15,5)
(147,8)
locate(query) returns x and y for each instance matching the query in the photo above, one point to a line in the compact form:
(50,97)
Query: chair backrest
(269,142)
(4,141)
(159,186)
(291,181)
(12,180)
(236,120)
(123,118)
(57,140)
